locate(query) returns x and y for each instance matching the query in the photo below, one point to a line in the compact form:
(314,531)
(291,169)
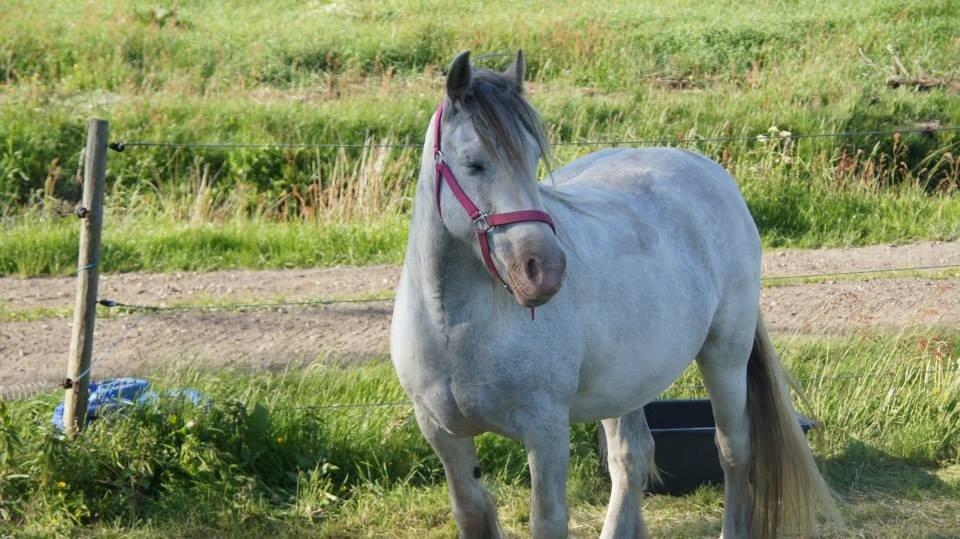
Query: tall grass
(372,71)
(358,216)
(273,451)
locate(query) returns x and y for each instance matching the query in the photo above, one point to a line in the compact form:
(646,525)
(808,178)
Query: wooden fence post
(77,383)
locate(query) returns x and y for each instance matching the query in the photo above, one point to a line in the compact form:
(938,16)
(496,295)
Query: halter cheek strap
(483,221)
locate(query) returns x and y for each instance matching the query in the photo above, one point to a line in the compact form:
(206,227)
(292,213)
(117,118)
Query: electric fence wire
(137,307)
(122,145)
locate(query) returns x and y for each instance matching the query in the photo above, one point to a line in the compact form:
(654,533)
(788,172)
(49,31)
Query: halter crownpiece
(483,221)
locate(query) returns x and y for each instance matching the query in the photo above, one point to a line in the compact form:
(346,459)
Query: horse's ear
(458,79)
(516,70)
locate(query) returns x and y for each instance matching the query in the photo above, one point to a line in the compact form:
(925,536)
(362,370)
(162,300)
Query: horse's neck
(428,244)
(438,266)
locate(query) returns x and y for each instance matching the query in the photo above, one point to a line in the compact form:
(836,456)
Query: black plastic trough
(685,451)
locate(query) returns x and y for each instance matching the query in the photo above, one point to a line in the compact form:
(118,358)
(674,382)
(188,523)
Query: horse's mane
(501,117)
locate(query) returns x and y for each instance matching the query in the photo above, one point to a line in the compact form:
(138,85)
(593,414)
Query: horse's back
(632,170)
(681,195)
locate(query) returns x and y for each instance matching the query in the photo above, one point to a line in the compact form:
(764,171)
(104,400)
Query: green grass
(49,247)
(260,461)
(372,71)
(267,456)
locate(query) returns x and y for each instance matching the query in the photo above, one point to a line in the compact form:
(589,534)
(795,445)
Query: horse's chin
(531,303)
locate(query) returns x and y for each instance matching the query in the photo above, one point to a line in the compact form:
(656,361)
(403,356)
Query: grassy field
(271,454)
(371,72)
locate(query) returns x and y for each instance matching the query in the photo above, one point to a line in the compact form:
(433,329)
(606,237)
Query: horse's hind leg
(723,364)
(472,505)
(630,459)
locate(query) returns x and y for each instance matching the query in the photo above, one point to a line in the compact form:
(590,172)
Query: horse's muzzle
(538,277)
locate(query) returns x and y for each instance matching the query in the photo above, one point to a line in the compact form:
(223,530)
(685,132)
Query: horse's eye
(475,168)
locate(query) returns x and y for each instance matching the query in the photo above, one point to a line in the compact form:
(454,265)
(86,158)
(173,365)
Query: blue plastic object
(117,393)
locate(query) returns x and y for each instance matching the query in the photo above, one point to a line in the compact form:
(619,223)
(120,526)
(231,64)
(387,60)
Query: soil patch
(34,353)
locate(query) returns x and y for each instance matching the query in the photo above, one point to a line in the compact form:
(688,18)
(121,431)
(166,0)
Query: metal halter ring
(481,222)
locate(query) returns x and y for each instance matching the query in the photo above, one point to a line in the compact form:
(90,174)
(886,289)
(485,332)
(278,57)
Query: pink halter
(483,221)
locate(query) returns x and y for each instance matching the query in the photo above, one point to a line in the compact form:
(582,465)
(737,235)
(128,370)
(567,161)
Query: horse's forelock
(501,117)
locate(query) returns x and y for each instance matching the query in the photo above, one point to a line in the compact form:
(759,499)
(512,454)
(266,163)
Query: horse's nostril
(533,270)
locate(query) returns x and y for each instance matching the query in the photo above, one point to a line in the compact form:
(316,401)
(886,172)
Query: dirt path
(35,351)
(241,285)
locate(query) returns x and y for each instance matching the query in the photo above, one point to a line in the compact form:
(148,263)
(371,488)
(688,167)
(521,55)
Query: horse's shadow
(892,496)
(874,488)
(863,470)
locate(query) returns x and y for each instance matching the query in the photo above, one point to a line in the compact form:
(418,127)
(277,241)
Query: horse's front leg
(547,440)
(472,505)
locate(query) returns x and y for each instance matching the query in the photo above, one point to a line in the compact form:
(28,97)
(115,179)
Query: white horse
(654,262)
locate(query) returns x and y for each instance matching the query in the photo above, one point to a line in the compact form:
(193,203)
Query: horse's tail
(788,489)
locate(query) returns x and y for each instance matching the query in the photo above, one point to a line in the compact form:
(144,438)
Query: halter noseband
(483,221)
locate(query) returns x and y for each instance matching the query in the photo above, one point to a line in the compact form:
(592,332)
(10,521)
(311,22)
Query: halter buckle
(481,223)
(438,157)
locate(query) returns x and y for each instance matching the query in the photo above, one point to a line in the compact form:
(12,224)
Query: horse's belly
(621,392)
(625,370)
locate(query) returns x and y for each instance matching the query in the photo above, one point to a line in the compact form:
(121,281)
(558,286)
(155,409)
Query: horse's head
(492,139)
